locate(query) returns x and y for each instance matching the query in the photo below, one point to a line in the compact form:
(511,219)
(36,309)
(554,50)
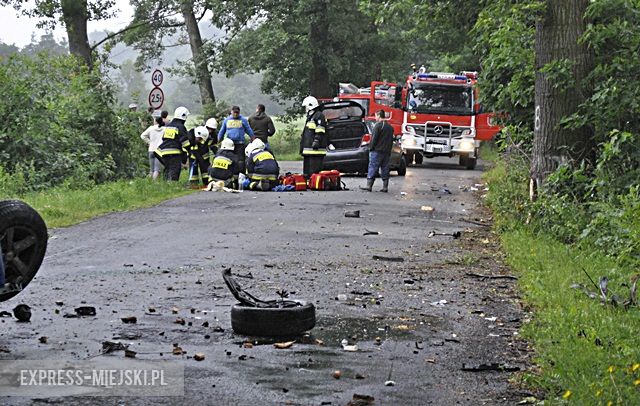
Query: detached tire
(273,322)
(23,236)
(402,169)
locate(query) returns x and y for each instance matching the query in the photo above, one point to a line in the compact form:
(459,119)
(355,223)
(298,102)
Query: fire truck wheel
(419,158)
(471,163)
(273,322)
(23,236)
(408,157)
(402,169)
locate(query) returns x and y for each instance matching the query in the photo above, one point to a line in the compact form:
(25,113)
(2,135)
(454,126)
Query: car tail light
(366,139)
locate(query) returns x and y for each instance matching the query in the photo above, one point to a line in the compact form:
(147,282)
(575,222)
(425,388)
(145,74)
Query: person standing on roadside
(174,149)
(262,125)
(153,137)
(313,145)
(379,152)
(235,127)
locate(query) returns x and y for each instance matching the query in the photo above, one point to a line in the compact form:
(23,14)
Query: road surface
(416,323)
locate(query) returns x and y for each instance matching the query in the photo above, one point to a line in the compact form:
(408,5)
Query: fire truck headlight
(468,132)
(467,145)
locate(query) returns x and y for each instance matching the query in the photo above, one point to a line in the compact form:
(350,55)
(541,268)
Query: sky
(16,29)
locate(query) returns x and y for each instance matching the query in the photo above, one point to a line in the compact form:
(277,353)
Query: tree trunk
(75,16)
(203,76)
(319,81)
(557,35)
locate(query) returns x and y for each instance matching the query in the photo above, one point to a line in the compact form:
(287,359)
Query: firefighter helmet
(212,123)
(255,145)
(227,145)
(310,103)
(181,113)
(201,132)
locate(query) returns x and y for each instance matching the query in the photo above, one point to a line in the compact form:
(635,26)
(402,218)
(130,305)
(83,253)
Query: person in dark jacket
(173,151)
(225,165)
(235,127)
(380,152)
(313,146)
(262,125)
(262,167)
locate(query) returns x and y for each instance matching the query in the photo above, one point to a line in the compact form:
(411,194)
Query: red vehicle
(437,114)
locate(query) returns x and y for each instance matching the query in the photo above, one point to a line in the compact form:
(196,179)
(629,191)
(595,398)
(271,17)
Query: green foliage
(286,141)
(60,126)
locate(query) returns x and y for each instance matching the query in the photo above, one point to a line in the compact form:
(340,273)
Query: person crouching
(225,165)
(262,167)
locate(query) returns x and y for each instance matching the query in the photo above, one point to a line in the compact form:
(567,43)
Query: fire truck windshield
(440,99)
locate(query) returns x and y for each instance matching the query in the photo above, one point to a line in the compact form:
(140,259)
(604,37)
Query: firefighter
(200,157)
(235,127)
(262,167)
(173,150)
(313,146)
(225,165)
(212,127)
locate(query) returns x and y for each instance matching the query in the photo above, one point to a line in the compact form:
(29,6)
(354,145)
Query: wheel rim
(19,247)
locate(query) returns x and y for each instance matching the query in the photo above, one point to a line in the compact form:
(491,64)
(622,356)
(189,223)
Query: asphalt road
(429,315)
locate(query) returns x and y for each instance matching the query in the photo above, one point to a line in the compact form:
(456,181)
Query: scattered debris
(455,234)
(342,297)
(361,400)
(112,346)
(352,214)
(360,376)
(5,313)
(85,311)
(349,347)
(129,320)
(175,310)
(247,275)
(199,356)
(431,360)
(336,374)
(439,303)
(59,303)
(129,353)
(369,232)
(22,312)
(284,345)
(177,350)
(489,367)
(180,321)
(4,349)
(43,339)
(478,223)
(427,208)
(389,383)
(477,275)
(390,259)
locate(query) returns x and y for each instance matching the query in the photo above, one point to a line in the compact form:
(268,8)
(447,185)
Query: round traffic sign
(157,77)
(156,98)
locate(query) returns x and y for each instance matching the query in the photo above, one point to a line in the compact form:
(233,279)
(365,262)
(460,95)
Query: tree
(73,14)
(562,64)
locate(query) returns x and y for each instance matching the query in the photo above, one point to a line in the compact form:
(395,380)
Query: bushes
(60,127)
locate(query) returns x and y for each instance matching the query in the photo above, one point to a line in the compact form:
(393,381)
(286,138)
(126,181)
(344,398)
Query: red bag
(326,180)
(296,180)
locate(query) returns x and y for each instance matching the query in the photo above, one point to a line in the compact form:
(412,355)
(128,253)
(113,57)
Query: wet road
(430,317)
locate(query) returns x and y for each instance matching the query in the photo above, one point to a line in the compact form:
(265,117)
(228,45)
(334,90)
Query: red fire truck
(437,114)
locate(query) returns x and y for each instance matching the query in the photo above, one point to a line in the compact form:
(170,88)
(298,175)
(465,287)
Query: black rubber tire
(471,163)
(402,169)
(419,158)
(272,322)
(21,225)
(408,158)
(462,160)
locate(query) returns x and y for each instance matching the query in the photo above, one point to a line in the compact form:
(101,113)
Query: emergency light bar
(423,76)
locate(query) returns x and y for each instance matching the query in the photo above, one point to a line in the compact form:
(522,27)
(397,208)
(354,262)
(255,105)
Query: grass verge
(587,353)
(62,207)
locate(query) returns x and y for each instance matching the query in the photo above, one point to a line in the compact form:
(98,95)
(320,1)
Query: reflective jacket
(175,140)
(261,165)
(315,130)
(203,150)
(235,129)
(225,165)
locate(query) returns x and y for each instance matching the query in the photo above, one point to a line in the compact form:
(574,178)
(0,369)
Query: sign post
(156,96)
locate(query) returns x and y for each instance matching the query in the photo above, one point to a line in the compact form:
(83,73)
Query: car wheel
(23,237)
(402,170)
(273,322)
(408,157)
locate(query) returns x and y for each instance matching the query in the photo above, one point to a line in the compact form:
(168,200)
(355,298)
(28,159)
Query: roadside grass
(286,141)
(62,207)
(587,353)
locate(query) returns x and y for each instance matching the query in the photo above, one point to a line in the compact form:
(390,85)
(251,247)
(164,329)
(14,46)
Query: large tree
(562,64)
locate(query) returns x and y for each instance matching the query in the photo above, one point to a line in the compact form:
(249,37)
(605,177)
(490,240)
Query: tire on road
(23,236)
(419,158)
(273,322)
(402,169)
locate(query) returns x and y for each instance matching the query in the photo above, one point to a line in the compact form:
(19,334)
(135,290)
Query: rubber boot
(369,186)
(385,185)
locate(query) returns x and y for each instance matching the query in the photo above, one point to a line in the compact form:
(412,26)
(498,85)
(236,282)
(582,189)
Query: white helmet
(201,132)
(256,144)
(212,123)
(310,103)
(181,113)
(227,145)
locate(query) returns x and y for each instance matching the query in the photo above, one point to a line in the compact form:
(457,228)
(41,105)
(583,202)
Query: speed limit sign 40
(156,98)
(157,77)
